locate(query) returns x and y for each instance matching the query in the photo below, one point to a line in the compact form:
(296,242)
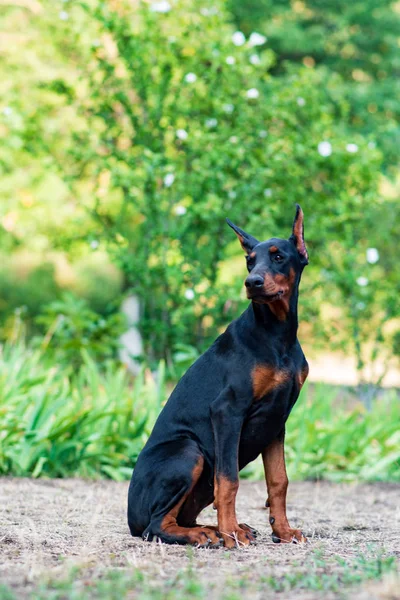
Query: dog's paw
(238,538)
(289,536)
(248,529)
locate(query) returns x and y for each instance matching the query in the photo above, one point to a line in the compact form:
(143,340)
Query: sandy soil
(48,526)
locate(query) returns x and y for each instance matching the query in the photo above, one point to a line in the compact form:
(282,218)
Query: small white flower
(94,244)
(256,39)
(181,134)
(362,281)
(209,12)
(233,139)
(161,7)
(211,122)
(252,93)
(238,38)
(372,255)
(190,77)
(180,210)
(230,60)
(255,59)
(352,148)
(268,192)
(325,148)
(371,145)
(169,179)
(228,108)
(300,101)
(63,15)
(262,133)
(232,194)
(189,294)
(7,111)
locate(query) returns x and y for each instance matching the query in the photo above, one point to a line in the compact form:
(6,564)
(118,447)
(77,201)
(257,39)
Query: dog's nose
(254,282)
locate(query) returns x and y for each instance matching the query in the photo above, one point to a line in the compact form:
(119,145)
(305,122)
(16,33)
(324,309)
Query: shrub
(184,126)
(72,327)
(58,421)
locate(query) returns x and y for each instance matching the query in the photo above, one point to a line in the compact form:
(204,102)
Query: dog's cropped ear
(247,241)
(297,236)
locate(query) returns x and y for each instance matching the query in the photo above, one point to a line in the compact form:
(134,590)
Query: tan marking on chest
(265,379)
(302,375)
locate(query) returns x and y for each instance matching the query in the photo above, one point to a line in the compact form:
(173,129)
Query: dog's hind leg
(175,469)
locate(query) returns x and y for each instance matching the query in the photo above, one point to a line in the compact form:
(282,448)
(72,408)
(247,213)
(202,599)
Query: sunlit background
(129,131)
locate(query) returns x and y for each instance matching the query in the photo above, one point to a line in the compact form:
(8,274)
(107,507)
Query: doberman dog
(227,409)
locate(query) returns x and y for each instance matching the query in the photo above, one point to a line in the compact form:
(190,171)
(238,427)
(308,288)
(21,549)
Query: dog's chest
(286,377)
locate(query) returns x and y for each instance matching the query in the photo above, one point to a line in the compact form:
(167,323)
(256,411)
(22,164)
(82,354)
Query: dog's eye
(278,258)
(250,262)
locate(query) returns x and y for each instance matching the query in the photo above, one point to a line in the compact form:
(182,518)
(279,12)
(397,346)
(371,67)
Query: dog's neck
(279,318)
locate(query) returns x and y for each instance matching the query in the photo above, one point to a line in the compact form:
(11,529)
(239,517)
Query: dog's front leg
(277,484)
(227,420)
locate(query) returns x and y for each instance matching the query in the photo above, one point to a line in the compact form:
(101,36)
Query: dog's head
(274,266)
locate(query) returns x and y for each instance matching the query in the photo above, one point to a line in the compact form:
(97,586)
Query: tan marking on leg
(228,526)
(193,535)
(277,484)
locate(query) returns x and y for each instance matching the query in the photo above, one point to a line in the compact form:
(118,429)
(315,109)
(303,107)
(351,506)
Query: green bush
(357,40)
(26,292)
(58,421)
(183,127)
(165,124)
(72,327)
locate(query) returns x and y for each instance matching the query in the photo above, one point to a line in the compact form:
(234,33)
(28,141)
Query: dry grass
(47,527)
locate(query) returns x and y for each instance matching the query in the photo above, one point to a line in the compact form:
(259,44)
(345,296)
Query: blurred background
(129,131)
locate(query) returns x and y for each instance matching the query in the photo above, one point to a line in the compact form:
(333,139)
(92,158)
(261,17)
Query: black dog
(228,408)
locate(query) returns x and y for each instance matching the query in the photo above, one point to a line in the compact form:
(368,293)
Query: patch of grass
(6,593)
(317,574)
(334,573)
(117,585)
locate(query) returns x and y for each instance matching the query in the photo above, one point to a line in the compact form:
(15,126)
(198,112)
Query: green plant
(71,327)
(167,160)
(58,423)
(169,121)
(358,41)
(338,439)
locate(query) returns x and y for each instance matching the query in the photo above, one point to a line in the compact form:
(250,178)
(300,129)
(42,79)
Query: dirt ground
(49,526)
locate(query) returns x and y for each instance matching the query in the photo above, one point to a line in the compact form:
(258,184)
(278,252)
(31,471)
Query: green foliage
(357,40)
(183,128)
(58,421)
(27,292)
(72,327)
(328,441)
(138,131)
(338,439)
